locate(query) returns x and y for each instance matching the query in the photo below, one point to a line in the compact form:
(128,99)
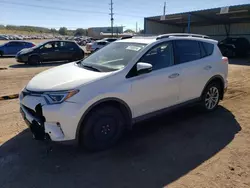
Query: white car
(127,81)
(96,45)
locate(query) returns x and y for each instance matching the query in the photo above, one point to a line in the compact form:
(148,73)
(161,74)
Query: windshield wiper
(91,67)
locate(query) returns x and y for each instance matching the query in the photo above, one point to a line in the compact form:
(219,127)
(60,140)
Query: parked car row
(55,50)
(27,37)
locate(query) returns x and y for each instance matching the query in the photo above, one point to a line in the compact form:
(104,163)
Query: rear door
(196,67)
(67,50)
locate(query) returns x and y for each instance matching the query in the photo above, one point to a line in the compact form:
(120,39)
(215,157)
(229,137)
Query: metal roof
(236,14)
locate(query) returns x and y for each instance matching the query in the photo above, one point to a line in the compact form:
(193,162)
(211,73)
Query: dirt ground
(186,148)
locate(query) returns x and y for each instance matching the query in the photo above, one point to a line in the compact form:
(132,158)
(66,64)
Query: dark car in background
(234,47)
(51,51)
(13,47)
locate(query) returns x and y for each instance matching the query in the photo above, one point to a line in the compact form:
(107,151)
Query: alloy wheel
(212,98)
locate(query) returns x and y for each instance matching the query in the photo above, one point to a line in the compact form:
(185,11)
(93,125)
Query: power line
(52,8)
(65,9)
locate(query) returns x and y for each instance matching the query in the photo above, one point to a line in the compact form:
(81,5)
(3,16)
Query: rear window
(187,50)
(111,40)
(101,43)
(207,49)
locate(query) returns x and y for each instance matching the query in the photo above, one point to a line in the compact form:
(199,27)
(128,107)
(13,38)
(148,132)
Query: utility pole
(164,9)
(136,27)
(111,17)
(164,12)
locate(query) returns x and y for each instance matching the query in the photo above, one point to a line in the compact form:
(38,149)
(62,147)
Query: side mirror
(143,68)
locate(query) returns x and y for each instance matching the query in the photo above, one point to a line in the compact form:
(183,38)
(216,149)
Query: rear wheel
(34,60)
(102,128)
(211,96)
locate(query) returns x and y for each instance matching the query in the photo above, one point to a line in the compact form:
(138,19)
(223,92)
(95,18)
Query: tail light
(32,45)
(88,46)
(224,59)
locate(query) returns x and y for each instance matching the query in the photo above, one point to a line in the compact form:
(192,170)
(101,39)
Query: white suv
(129,80)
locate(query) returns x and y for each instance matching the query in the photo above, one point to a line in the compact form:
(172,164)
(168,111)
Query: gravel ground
(186,148)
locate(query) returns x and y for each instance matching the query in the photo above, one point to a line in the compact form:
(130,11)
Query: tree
(63,31)
(129,31)
(52,30)
(80,32)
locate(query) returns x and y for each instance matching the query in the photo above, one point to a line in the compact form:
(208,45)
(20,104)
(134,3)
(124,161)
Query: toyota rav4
(94,100)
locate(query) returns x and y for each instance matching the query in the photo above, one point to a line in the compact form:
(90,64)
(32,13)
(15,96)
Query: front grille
(32,112)
(38,114)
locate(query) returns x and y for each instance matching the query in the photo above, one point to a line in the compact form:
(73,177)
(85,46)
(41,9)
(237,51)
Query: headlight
(59,97)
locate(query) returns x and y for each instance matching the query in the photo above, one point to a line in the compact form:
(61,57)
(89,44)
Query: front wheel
(211,97)
(102,129)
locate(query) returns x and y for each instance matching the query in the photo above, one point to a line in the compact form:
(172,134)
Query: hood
(26,50)
(64,77)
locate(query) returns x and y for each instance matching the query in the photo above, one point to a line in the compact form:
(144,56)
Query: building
(95,32)
(218,23)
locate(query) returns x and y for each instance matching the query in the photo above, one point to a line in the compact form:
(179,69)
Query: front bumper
(57,122)
(21,58)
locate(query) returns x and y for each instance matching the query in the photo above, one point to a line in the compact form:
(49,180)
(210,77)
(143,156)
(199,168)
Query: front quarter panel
(111,87)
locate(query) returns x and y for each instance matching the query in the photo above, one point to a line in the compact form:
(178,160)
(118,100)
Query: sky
(95,13)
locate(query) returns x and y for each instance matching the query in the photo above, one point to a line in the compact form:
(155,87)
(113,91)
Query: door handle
(44,53)
(174,75)
(56,50)
(207,67)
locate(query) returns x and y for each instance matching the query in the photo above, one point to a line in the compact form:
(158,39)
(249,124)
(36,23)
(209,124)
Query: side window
(48,46)
(70,45)
(160,56)
(207,49)
(187,50)
(102,43)
(13,44)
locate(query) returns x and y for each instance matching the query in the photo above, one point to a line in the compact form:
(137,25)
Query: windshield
(114,56)
(40,44)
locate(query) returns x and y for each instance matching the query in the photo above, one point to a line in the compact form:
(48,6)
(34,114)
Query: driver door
(160,88)
(50,52)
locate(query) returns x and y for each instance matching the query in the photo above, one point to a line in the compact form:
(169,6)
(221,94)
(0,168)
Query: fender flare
(104,100)
(210,80)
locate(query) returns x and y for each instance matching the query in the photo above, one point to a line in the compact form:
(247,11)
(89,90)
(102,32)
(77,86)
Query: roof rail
(180,35)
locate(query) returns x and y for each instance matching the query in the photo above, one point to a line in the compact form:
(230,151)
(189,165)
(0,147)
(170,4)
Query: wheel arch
(122,105)
(219,79)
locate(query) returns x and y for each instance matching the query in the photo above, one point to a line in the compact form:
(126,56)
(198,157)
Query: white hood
(65,77)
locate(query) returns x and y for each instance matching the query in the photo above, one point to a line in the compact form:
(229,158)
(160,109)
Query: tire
(1,53)
(102,129)
(34,60)
(211,97)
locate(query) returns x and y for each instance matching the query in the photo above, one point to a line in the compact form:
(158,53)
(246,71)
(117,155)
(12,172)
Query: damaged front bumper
(55,122)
